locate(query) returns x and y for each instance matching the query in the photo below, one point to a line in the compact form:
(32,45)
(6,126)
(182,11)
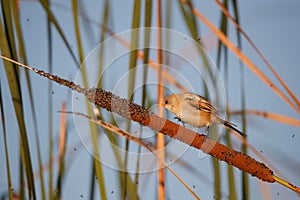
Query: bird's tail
(232,127)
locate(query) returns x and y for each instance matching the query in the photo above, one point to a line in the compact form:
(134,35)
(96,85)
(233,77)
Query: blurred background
(56,36)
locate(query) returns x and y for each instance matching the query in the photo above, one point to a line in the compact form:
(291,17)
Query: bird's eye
(166,102)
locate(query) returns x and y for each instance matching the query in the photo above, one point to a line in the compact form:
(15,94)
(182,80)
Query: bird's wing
(200,103)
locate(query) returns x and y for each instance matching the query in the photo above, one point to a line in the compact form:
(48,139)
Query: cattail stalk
(137,113)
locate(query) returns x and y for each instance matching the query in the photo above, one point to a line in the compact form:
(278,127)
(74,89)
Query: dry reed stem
(137,113)
(284,85)
(151,63)
(161,193)
(271,116)
(128,136)
(222,37)
(62,131)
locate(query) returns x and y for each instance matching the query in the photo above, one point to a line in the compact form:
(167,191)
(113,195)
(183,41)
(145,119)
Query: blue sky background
(272,25)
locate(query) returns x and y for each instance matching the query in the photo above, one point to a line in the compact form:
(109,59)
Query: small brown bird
(196,111)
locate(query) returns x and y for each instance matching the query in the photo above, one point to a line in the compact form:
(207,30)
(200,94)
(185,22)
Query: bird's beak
(163,104)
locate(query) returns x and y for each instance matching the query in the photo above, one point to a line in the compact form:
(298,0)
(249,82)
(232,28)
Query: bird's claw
(180,121)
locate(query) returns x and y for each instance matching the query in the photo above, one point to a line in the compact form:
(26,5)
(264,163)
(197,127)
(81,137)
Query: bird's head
(172,103)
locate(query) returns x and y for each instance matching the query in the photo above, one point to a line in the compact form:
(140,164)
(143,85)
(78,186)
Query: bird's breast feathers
(194,117)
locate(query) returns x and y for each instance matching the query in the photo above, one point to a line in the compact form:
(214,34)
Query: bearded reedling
(196,111)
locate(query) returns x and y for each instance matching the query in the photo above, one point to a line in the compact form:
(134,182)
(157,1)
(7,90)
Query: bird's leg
(207,130)
(180,121)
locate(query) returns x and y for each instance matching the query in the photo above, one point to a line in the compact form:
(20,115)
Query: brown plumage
(196,111)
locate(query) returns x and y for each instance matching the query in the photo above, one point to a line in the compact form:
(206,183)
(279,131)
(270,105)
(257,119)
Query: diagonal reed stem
(137,113)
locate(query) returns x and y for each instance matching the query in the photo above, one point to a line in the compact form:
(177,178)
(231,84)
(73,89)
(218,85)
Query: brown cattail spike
(129,110)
